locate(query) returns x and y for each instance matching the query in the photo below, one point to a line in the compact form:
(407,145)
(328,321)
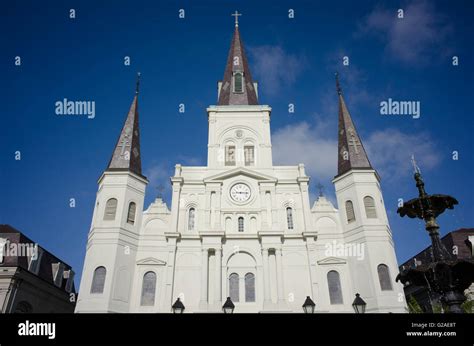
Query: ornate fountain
(445,274)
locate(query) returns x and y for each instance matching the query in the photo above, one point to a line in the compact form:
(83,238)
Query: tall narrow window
(234,287)
(191,219)
(228,224)
(249,153)
(289,217)
(238,82)
(369,205)
(110,209)
(241,224)
(350,211)
(384,277)
(148,289)
(98,280)
(132,208)
(334,285)
(249,287)
(230,155)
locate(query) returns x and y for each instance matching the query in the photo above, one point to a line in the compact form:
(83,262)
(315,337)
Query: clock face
(240,193)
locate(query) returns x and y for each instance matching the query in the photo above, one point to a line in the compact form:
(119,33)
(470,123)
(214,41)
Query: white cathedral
(239,227)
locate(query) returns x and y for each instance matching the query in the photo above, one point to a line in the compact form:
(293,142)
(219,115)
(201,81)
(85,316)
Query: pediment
(332,260)
(240,171)
(151,261)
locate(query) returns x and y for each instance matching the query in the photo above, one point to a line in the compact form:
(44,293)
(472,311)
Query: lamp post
(359,304)
(178,307)
(446,275)
(228,306)
(309,306)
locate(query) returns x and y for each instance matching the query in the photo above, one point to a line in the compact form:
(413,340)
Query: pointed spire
(237,86)
(126,155)
(351,152)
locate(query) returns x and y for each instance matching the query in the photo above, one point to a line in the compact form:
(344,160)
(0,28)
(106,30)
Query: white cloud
(303,143)
(418,37)
(389,151)
(273,67)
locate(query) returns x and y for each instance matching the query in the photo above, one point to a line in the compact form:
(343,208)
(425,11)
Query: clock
(240,192)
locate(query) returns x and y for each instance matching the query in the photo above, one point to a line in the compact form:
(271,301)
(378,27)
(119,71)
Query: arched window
(384,277)
(191,219)
(249,155)
(234,287)
(228,224)
(238,82)
(148,289)
(369,205)
(98,280)
(110,209)
(241,224)
(334,285)
(230,155)
(289,218)
(132,208)
(249,287)
(253,224)
(350,211)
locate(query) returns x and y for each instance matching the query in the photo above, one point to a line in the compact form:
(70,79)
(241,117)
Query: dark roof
(227,96)
(454,238)
(126,155)
(351,151)
(45,272)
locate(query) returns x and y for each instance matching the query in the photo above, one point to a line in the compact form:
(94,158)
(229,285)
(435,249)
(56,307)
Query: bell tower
(113,239)
(364,220)
(239,128)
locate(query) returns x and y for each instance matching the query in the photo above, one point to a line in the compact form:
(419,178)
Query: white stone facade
(193,257)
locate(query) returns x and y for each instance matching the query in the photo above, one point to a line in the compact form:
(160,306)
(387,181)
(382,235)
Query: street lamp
(359,304)
(178,307)
(228,306)
(309,306)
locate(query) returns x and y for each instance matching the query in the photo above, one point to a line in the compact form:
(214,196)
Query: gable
(151,261)
(240,171)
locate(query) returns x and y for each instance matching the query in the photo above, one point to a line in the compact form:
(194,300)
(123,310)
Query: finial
(415,166)
(138,83)
(321,189)
(338,86)
(160,189)
(236,15)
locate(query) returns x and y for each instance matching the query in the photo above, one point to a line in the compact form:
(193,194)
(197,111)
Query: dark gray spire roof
(237,62)
(351,152)
(126,155)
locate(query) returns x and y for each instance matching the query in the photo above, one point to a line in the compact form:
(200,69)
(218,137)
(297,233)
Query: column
(279,272)
(204,277)
(175,206)
(266,273)
(218,274)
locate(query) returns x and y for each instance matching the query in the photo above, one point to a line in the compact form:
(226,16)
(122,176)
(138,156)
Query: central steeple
(237,86)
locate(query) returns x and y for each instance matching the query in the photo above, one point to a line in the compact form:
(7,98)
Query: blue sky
(181,60)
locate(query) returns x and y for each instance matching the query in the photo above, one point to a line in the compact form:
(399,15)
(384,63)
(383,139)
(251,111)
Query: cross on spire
(160,188)
(338,86)
(236,14)
(321,189)
(138,83)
